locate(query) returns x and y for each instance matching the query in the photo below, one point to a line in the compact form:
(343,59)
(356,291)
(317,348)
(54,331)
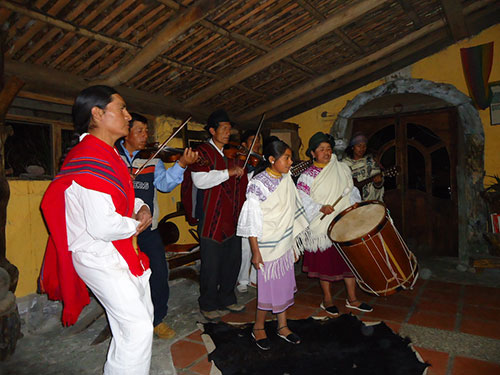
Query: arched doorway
(422,199)
(469,160)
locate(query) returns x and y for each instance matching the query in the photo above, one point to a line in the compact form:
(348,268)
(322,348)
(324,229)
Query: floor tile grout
(460,307)
(416,300)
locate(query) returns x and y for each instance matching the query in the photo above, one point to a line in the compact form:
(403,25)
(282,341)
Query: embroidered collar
(273,173)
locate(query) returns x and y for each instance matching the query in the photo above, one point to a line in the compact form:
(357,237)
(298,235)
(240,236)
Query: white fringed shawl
(326,188)
(283,218)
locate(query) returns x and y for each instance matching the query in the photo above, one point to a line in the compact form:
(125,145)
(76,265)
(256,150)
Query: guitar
(390,172)
(299,167)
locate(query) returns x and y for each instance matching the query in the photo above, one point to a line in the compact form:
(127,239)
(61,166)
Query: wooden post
(10,323)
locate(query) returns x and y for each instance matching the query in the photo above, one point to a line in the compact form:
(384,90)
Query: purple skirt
(327,265)
(276,294)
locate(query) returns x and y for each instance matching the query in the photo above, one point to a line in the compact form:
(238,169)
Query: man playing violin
(221,191)
(153,177)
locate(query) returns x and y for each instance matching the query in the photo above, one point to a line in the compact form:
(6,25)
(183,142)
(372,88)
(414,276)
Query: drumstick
(346,191)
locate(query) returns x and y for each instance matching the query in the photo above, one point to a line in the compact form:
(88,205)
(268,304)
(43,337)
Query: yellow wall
(445,67)
(442,67)
(26,235)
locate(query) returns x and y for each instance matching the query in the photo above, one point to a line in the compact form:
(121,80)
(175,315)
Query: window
(28,151)
(34,147)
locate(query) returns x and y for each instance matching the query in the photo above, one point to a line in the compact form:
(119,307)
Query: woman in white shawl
(319,186)
(271,218)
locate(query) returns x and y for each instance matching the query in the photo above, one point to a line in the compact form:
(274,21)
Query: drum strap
(394,261)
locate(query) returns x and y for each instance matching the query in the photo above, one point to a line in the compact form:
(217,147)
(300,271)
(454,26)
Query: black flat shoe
(292,338)
(332,310)
(262,344)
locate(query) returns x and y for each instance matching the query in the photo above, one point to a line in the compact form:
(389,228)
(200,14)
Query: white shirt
(207,180)
(92,221)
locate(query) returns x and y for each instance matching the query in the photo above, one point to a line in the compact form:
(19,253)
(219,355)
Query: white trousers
(127,301)
(248,274)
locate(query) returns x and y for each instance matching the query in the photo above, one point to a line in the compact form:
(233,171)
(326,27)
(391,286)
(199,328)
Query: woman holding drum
(325,182)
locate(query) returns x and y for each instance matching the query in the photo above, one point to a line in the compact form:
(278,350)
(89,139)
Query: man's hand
(143,216)
(236,171)
(188,157)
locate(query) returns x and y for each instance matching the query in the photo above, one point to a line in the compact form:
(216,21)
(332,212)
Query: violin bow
(136,173)
(254,139)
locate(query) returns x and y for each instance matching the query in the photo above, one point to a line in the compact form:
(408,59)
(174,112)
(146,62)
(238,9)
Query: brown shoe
(236,308)
(163,331)
(211,315)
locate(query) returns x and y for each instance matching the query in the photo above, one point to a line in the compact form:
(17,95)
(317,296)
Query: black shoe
(262,344)
(332,310)
(292,338)
(364,307)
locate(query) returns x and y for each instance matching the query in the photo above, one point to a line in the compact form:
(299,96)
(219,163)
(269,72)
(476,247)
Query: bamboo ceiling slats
(54,32)
(232,99)
(317,51)
(77,42)
(243,54)
(94,49)
(134,29)
(373,32)
(428,10)
(20,25)
(34,30)
(83,20)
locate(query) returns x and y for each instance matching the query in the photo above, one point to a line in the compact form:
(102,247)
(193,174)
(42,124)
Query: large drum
(372,247)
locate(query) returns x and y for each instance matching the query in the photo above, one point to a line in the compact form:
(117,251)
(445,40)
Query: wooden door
(422,200)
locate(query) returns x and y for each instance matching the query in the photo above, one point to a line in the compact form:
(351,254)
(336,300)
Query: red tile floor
(443,306)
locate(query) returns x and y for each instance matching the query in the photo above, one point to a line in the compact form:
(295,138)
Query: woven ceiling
(250,56)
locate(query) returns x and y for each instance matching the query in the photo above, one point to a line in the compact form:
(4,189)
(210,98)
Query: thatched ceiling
(250,56)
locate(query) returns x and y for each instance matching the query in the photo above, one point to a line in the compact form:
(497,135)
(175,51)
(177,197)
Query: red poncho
(94,165)
(222,203)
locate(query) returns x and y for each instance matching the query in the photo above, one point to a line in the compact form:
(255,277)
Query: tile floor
(444,307)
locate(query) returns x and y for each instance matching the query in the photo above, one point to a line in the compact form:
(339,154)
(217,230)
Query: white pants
(127,301)
(248,274)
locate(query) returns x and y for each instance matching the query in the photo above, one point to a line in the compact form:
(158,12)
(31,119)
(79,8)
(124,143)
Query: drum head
(356,223)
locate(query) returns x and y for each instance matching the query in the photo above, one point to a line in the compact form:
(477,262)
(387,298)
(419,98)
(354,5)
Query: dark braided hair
(275,148)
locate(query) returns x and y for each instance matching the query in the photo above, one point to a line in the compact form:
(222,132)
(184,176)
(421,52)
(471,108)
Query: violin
(167,154)
(235,151)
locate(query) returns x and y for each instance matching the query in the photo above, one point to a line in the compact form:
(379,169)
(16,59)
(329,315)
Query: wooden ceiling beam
(346,79)
(246,42)
(82,31)
(39,16)
(320,17)
(454,14)
(359,74)
(410,12)
(52,83)
(336,21)
(337,73)
(206,73)
(183,22)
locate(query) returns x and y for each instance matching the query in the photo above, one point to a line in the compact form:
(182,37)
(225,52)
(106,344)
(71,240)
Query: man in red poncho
(92,214)
(220,192)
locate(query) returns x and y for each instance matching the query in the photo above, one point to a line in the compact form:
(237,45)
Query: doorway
(422,199)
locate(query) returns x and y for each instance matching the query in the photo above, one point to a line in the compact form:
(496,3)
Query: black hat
(317,139)
(216,118)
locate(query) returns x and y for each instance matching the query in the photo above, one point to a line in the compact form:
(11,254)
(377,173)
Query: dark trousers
(150,243)
(220,266)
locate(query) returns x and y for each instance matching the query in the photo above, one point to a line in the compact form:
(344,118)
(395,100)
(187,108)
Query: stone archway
(472,210)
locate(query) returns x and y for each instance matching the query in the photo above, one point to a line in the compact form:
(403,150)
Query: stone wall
(472,211)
